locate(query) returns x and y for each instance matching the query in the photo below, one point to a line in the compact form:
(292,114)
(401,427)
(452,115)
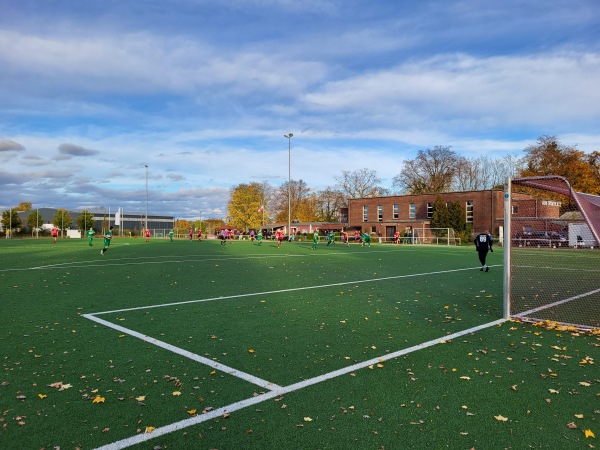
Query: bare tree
(328,204)
(361,183)
(432,171)
(298,191)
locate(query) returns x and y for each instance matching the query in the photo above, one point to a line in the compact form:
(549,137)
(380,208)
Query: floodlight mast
(146,165)
(289,138)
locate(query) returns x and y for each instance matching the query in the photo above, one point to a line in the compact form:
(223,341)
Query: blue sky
(203,91)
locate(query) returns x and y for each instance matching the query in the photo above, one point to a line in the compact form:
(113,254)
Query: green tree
(34,220)
(85,220)
(62,219)
(10,219)
(441,214)
(457,219)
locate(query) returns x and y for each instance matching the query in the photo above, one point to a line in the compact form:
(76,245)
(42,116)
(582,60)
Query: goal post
(551,256)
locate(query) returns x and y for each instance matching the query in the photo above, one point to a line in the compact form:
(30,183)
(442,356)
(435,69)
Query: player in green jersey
(259,237)
(90,235)
(171,234)
(331,238)
(315,240)
(365,239)
(107,237)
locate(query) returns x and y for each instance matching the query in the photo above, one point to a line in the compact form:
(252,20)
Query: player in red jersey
(54,233)
(147,233)
(279,234)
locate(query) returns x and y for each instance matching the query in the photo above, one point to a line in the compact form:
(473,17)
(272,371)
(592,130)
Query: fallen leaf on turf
(572,425)
(149,429)
(501,418)
(191,412)
(579,416)
(514,387)
(65,386)
(465,378)
(176,394)
(213,372)
(141,398)
(553,391)
(42,395)
(98,399)
(106,430)
(589,433)
(308,419)
(251,350)
(584,383)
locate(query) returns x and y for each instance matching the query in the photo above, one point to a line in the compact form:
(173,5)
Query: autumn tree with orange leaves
(548,156)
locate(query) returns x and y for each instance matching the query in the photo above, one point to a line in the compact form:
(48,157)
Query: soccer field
(198,345)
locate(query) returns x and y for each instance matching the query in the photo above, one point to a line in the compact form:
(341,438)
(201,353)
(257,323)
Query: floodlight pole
(289,138)
(146,165)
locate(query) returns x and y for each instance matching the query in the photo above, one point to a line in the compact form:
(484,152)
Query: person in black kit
(483,243)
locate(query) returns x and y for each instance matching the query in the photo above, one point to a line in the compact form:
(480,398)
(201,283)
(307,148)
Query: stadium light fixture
(289,138)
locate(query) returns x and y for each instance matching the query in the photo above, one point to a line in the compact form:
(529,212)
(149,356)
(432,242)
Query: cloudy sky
(203,91)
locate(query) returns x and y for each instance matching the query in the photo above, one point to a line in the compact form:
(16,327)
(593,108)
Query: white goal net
(552,265)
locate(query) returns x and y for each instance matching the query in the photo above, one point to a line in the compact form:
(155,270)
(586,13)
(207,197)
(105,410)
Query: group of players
(483,241)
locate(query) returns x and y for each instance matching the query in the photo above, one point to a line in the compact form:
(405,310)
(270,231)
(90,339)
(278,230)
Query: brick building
(483,209)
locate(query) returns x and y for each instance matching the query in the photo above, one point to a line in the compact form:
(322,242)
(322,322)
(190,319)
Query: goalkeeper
(483,244)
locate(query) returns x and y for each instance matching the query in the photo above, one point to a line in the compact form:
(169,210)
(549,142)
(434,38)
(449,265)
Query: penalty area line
(186,354)
(175,426)
(283,291)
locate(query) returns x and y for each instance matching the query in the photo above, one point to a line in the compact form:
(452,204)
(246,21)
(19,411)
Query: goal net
(436,236)
(552,260)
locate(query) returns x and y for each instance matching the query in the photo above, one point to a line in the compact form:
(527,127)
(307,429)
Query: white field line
(565,269)
(560,302)
(253,294)
(190,258)
(143,437)
(179,351)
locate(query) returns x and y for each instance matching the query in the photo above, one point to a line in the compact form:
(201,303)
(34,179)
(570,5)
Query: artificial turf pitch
(197,345)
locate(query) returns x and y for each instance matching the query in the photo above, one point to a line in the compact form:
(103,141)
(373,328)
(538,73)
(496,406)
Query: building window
(515,209)
(379,213)
(412,211)
(469,211)
(395,212)
(365,213)
(429,210)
